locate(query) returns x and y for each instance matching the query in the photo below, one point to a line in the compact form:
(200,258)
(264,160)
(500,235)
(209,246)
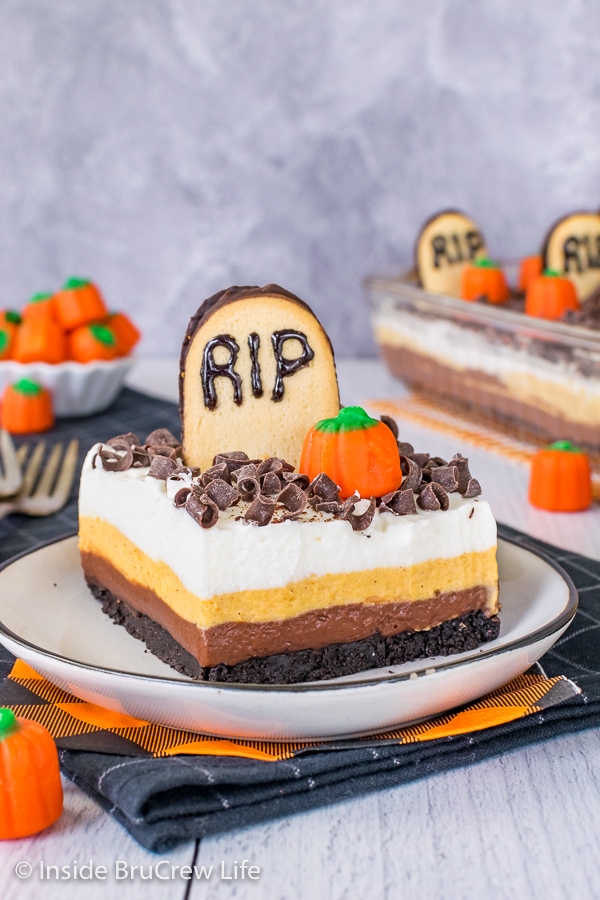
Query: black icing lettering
(474,241)
(212,369)
(593,262)
(438,245)
(571,255)
(254,344)
(286,367)
(457,247)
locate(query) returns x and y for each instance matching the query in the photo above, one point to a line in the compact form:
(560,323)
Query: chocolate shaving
(270,484)
(219,471)
(163,450)
(334,507)
(322,486)
(400,503)
(260,512)
(161,467)
(162,437)
(117,456)
(463,477)
(433,497)
(447,476)
(297,478)
(181,496)
(293,498)
(362,521)
(391,424)
(129,438)
(231,456)
(140,457)
(473,489)
(202,509)
(421,459)
(405,449)
(248,470)
(222,493)
(248,488)
(411,472)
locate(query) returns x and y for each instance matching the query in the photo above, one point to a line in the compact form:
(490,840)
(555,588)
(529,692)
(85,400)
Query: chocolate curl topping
(260,512)
(421,459)
(400,503)
(219,471)
(405,449)
(447,476)
(163,450)
(231,456)
(162,437)
(117,456)
(222,493)
(433,497)
(463,476)
(270,485)
(248,487)
(322,486)
(181,496)
(248,470)
(391,424)
(161,467)
(129,438)
(140,457)
(293,498)
(302,481)
(362,521)
(334,507)
(202,509)
(473,489)
(411,474)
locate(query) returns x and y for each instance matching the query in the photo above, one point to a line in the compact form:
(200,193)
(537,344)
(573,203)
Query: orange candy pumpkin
(39,308)
(9,324)
(550,295)
(92,342)
(26,407)
(125,332)
(32,797)
(484,278)
(560,479)
(357,452)
(78,303)
(39,338)
(530,268)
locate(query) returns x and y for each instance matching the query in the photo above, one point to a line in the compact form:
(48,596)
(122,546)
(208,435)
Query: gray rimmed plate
(50,620)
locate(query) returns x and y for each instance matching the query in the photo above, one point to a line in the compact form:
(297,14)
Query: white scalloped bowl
(78,389)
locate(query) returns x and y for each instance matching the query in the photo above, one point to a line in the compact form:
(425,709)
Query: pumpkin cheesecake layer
(237,591)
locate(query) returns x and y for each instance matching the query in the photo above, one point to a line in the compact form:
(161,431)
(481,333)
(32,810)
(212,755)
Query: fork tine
(10,478)
(65,478)
(33,467)
(49,471)
(22,454)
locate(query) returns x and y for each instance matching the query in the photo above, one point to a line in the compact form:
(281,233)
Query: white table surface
(523,825)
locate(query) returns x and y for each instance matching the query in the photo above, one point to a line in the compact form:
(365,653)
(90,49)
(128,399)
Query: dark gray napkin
(164,802)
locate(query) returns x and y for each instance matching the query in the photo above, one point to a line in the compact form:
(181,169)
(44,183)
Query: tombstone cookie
(572,248)
(447,243)
(257,370)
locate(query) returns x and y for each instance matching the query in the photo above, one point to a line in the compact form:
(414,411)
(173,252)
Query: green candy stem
(12,316)
(567,446)
(551,273)
(3,340)
(28,387)
(484,262)
(350,418)
(8,721)
(39,298)
(104,335)
(73,283)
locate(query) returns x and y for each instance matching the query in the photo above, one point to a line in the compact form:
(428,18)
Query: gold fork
(11,478)
(46,494)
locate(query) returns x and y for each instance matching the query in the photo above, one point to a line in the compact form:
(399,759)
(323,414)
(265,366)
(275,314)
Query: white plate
(78,389)
(49,618)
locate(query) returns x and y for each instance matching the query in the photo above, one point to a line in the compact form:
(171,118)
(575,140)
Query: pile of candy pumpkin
(72,325)
(548,295)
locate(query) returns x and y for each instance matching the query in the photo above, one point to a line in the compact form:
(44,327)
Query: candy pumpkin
(530,268)
(26,407)
(359,453)
(484,278)
(92,342)
(78,303)
(30,785)
(38,308)
(125,332)
(550,295)
(560,479)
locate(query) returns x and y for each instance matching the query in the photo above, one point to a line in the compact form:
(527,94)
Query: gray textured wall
(169,148)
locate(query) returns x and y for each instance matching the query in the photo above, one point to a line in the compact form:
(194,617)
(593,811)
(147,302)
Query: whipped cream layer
(238,556)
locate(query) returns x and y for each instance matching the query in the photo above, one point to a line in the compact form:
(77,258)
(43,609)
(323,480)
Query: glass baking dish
(540,378)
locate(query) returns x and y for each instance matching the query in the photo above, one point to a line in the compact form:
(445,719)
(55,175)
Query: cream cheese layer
(237,556)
